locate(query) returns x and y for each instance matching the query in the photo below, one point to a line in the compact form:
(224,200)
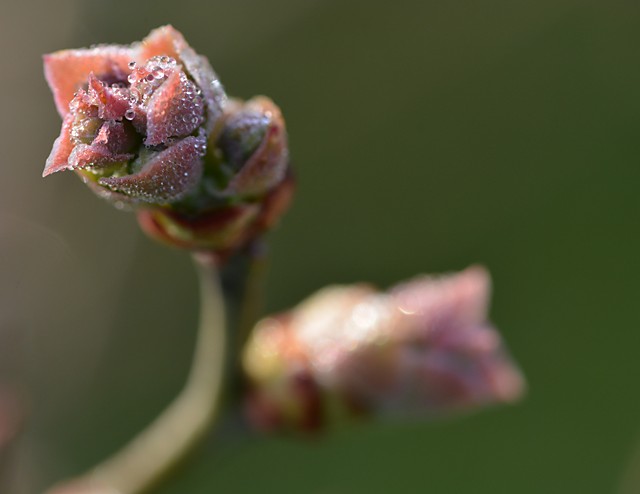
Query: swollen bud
(149,126)
(247,184)
(423,348)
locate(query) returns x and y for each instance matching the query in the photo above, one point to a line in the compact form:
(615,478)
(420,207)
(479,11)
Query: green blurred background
(426,136)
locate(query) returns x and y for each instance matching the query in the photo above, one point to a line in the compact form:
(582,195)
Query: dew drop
(158,73)
(129,114)
(131,78)
(149,77)
(132,65)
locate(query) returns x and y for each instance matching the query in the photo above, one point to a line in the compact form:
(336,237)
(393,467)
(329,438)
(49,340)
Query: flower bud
(424,347)
(149,126)
(249,188)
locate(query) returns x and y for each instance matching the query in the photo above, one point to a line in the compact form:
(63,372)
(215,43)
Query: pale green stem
(149,456)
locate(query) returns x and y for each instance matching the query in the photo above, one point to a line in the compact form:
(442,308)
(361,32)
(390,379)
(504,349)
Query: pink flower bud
(424,347)
(149,125)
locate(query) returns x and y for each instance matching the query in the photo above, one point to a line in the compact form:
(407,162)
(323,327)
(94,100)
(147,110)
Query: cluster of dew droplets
(200,145)
(86,122)
(85,102)
(144,80)
(191,101)
(163,102)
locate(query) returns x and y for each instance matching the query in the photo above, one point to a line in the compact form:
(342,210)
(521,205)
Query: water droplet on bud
(129,114)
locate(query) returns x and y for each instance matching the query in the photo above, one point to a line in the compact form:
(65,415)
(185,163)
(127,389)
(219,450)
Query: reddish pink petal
(268,164)
(114,141)
(169,42)
(204,76)
(67,71)
(276,202)
(115,137)
(112,103)
(121,201)
(62,147)
(167,177)
(85,155)
(448,378)
(109,146)
(81,103)
(165,40)
(450,301)
(175,110)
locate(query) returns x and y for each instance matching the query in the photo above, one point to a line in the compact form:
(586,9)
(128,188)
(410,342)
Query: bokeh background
(426,136)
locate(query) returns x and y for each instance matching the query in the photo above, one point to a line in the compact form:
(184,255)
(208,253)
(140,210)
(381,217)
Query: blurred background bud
(422,348)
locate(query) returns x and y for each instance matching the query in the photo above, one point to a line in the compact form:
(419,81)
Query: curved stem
(158,448)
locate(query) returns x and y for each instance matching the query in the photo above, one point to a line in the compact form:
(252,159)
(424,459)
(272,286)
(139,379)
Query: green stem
(156,450)
(243,279)
(252,297)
